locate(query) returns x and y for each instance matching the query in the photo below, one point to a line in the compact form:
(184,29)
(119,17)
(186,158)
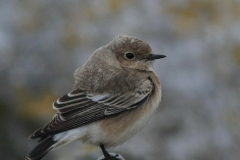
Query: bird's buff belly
(116,130)
(111,131)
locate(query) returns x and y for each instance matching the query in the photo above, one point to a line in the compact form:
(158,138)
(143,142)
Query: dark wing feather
(78,108)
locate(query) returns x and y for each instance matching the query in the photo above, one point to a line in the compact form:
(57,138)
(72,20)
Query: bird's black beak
(155,56)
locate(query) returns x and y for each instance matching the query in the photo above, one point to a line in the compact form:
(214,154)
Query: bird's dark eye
(130,55)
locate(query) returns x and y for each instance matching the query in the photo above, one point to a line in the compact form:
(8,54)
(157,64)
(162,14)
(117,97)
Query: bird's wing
(79,108)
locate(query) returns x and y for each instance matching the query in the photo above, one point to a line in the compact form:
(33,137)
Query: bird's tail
(42,148)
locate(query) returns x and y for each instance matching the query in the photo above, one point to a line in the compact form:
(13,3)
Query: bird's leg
(111,156)
(105,153)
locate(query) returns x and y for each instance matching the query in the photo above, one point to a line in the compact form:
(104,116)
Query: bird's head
(132,52)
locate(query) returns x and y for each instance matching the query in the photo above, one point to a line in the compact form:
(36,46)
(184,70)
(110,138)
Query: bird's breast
(122,127)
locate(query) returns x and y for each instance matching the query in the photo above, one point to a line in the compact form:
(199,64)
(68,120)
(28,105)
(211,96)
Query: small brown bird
(115,94)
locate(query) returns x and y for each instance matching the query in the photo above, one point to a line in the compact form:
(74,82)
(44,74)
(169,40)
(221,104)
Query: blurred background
(43,42)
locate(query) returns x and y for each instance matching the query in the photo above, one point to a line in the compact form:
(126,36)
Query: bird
(115,93)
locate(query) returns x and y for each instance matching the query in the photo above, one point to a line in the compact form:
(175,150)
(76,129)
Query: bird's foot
(112,156)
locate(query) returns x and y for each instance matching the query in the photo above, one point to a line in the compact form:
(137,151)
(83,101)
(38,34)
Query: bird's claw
(112,156)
